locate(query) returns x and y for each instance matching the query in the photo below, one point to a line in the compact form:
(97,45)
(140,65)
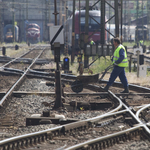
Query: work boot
(106,87)
(126,90)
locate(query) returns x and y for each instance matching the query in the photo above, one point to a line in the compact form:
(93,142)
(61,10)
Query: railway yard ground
(92,119)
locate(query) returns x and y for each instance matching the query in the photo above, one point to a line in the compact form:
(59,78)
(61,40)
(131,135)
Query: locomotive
(33,33)
(93,31)
(8,33)
(141,33)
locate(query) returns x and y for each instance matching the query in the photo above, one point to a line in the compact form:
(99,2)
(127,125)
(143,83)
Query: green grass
(97,67)
(128,43)
(100,64)
(147,43)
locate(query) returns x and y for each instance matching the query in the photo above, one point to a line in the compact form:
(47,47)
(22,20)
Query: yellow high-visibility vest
(124,62)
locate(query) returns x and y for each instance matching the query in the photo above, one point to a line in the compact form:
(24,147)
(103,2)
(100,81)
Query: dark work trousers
(118,71)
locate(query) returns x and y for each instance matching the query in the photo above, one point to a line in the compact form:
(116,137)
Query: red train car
(33,33)
(93,31)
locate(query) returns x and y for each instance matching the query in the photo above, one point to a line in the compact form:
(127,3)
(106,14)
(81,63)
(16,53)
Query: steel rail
(140,110)
(16,58)
(89,142)
(95,119)
(19,80)
(136,87)
(92,120)
(64,127)
(48,131)
(137,119)
(109,113)
(98,118)
(13,139)
(140,125)
(148,124)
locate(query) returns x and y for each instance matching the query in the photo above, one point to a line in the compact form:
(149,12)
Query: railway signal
(16,47)
(141,59)
(66,64)
(3,50)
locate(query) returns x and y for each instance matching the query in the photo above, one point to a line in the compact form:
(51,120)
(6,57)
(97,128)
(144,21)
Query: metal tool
(109,67)
(83,80)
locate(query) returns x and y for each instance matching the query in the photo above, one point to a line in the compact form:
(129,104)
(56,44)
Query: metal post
(73,34)
(19,24)
(26,9)
(65,11)
(55,12)
(1,25)
(81,51)
(130,63)
(137,16)
(129,22)
(148,17)
(116,18)
(49,17)
(121,19)
(125,18)
(26,18)
(138,52)
(86,58)
(58,92)
(102,22)
(142,23)
(23,27)
(109,23)
(102,25)
(46,21)
(60,11)
(66,37)
(13,21)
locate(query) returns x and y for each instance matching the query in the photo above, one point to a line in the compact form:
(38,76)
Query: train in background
(33,33)
(8,33)
(94,27)
(141,33)
(130,33)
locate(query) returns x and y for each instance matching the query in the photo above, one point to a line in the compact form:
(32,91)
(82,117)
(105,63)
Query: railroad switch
(90,106)
(129,120)
(46,113)
(55,119)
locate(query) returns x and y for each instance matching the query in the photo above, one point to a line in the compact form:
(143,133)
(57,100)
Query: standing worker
(92,42)
(120,61)
(141,42)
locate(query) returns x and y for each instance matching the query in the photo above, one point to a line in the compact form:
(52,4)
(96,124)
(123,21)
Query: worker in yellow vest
(120,61)
(141,42)
(92,42)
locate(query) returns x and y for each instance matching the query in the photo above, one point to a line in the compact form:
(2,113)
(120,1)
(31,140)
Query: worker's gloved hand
(115,64)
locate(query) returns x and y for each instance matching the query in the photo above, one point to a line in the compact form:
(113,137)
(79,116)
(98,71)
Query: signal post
(57,46)
(86,58)
(58,93)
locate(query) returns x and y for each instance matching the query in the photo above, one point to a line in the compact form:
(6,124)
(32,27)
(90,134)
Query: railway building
(23,12)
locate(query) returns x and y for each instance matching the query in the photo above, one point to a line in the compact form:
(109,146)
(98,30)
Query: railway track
(98,119)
